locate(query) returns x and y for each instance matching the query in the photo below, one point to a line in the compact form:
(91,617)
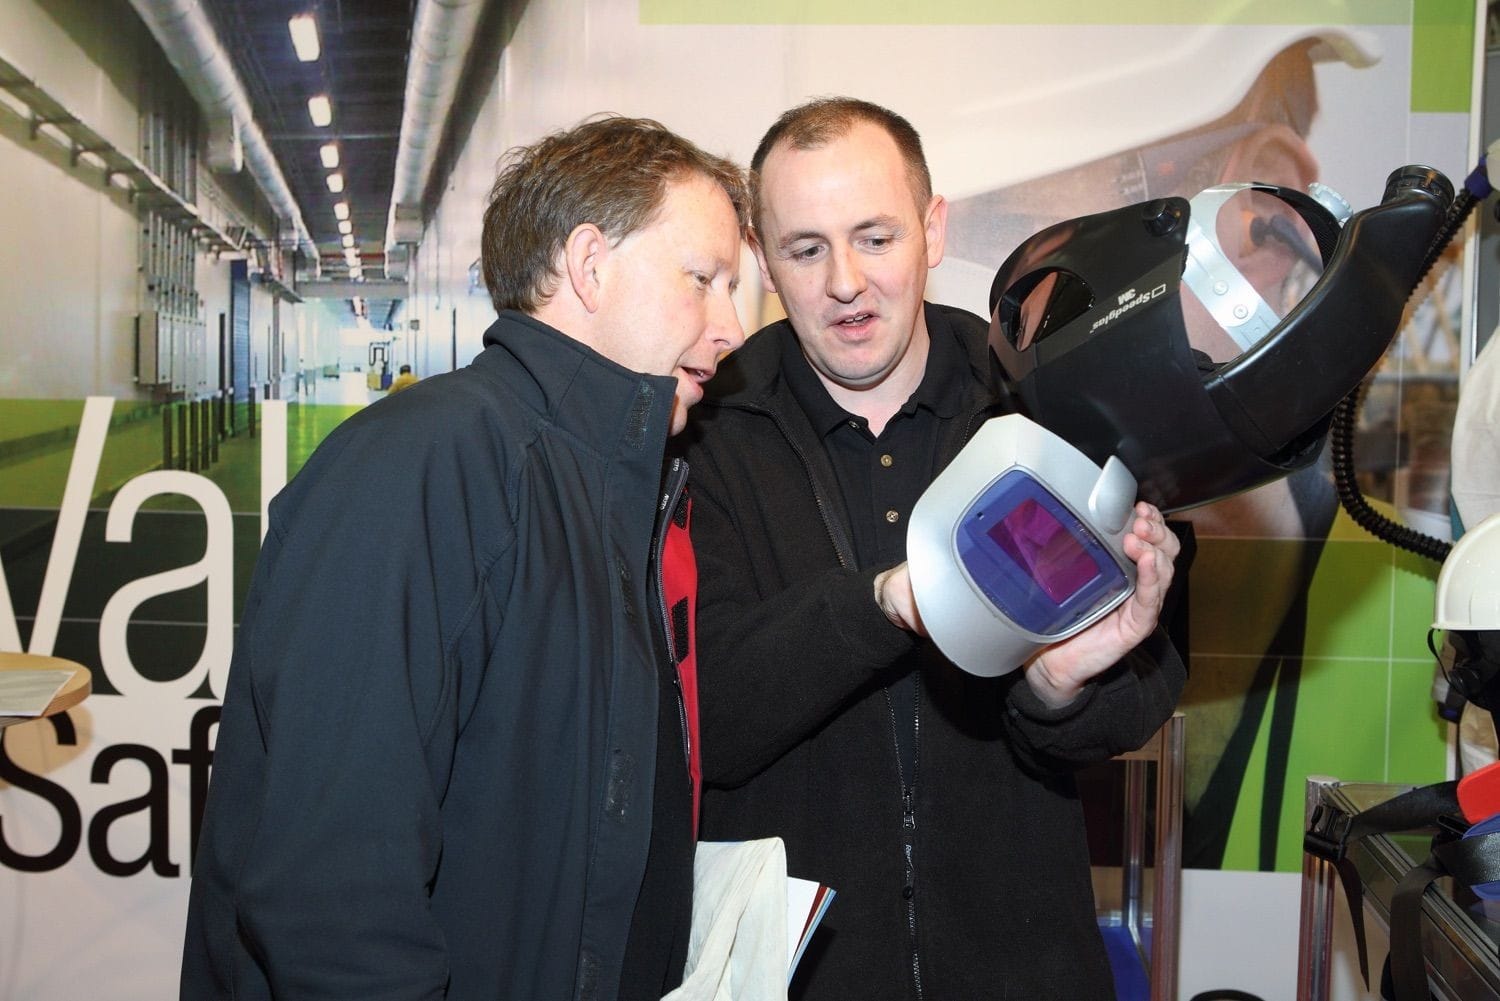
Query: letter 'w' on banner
(272,458)
(64,554)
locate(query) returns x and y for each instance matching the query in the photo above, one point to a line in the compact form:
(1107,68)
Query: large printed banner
(137,573)
(1307,638)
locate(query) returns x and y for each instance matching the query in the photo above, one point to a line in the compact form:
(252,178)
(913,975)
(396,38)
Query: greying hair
(610,171)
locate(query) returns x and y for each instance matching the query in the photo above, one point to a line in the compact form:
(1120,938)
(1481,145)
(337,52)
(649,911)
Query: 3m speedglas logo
(1125,302)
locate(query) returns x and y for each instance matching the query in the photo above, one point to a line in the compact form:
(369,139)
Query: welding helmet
(1087,321)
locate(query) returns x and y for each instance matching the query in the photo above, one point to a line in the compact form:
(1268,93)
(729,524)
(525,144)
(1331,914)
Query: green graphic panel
(1355,703)
(1278,691)
(1413,591)
(1242,848)
(1442,55)
(1357,721)
(1350,602)
(1418,736)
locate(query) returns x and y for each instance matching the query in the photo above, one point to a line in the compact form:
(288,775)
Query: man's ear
(752,237)
(935,222)
(770,308)
(585,249)
(1274,154)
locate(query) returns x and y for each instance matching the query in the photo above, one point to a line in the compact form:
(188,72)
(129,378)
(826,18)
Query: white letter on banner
(64,553)
(216,566)
(10,630)
(272,458)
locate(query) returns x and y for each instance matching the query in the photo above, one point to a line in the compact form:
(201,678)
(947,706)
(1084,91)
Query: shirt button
(893,516)
(854,425)
(886,460)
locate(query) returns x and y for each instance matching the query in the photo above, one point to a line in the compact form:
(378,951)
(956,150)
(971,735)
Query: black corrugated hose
(1341,448)
(1346,415)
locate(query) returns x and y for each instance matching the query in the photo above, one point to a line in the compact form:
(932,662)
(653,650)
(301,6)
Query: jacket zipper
(908,789)
(676,479)
(908,806)
(909,822)
(908,799)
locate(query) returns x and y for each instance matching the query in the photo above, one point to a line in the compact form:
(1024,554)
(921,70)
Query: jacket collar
(574,387)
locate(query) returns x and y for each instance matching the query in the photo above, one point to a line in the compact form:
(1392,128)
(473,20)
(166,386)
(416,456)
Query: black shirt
(881,478)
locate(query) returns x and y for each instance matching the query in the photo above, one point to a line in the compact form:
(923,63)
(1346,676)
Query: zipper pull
(908,811)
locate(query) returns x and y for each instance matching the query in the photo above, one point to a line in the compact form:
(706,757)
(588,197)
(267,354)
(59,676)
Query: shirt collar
(940,391)
(811,395)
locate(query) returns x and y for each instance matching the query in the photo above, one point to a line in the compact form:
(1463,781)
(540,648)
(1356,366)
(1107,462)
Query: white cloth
(737,948)
(1475,451)
(1475,485)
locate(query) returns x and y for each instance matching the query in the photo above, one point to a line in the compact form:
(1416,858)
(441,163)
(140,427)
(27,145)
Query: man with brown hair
(940,806)
(462,764)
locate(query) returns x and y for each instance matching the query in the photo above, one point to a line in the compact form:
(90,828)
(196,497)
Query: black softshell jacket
(434,773)
(798,732)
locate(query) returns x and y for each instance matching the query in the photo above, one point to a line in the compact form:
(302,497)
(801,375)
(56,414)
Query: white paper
(28,693)
(800,894)
(806,903)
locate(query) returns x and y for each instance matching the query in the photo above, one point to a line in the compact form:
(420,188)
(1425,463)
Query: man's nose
(846,280)
(724,327)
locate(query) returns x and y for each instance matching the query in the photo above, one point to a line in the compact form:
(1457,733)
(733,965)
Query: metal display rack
(1460,941)
(1153,921)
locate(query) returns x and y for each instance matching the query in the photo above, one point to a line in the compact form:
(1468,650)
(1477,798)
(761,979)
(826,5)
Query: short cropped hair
(610,171)
(820,121)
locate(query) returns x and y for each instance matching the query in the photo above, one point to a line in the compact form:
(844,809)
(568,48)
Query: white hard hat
(1468,586)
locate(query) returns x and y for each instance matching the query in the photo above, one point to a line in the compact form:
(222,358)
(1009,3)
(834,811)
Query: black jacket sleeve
(1116,712)
(339,733)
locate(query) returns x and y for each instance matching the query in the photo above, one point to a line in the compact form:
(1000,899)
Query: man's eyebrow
(797,237)
(808,234)
(880,220)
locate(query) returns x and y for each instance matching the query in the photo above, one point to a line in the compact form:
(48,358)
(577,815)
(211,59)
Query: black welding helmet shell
(1087,323)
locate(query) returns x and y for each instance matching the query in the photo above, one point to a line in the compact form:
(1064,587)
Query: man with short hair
(462,764)
(940,805)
